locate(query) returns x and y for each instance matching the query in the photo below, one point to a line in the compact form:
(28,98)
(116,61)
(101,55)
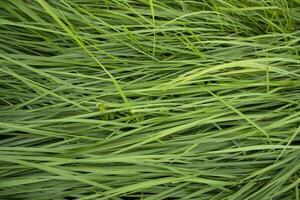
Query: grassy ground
(172,99)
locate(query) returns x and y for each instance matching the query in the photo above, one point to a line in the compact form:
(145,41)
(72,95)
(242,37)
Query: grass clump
(150,99)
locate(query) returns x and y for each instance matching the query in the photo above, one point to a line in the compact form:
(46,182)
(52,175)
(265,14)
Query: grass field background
(150,100)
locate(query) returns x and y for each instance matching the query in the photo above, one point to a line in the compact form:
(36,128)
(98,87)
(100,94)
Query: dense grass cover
(169,99)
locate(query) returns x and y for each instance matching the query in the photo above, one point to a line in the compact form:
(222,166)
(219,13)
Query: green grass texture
(149,99)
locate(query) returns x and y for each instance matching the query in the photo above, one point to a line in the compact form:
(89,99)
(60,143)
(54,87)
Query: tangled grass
(172,99)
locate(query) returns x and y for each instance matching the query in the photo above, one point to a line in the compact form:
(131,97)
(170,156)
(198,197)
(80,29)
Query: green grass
(148,99)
